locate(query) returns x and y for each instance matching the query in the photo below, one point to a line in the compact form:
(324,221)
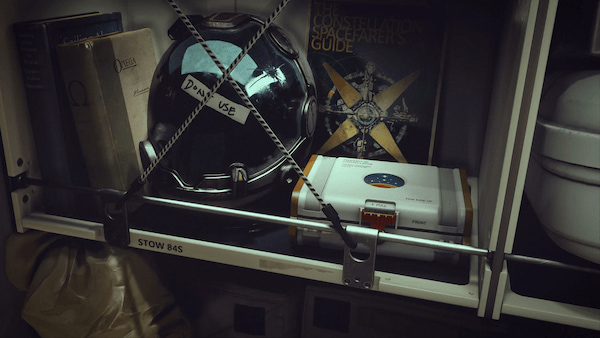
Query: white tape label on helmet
(218,102)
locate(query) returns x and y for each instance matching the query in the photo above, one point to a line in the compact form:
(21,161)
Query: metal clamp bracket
(359,263)
(116,225)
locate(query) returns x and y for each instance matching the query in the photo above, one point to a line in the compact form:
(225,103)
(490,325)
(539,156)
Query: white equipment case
(406,199)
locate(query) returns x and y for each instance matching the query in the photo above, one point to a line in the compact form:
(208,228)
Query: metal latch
(359,263)
(378,214)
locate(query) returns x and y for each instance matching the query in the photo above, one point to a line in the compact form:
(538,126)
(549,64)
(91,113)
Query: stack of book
(87,85)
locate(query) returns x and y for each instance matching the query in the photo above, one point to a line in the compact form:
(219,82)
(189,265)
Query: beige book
(108,81)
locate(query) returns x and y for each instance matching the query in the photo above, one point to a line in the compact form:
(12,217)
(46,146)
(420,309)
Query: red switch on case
(378,220)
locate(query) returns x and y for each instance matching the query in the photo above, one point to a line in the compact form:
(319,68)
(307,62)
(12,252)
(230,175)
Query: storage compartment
(556,222)
(494,62)
(563,182)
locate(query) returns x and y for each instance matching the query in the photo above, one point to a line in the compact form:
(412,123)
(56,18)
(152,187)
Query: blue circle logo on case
(384,180)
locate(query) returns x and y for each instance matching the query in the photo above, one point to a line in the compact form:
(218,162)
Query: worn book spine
(59,155)
(108,81)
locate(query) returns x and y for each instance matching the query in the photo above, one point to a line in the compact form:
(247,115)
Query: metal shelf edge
(551,311)
(461,295)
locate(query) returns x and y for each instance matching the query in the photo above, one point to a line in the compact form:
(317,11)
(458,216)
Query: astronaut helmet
(225,156)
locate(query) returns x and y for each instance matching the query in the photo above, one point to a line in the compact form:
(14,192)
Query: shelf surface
(547,293)
(539,281)
(268,247)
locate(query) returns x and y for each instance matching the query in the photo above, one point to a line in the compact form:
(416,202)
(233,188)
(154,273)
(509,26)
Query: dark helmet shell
(225,154)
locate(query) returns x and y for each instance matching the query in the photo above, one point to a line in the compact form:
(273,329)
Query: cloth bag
(83,288)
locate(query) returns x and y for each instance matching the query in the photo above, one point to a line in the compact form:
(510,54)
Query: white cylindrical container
(563,179)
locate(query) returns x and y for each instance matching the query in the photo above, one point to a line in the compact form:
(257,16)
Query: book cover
(59,153)
(378,71)
(108,81)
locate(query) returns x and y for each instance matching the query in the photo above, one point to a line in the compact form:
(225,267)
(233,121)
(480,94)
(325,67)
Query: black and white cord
(326,208)
(139,182)
(245,98)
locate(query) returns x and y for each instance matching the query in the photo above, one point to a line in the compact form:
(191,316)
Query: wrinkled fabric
(81,288)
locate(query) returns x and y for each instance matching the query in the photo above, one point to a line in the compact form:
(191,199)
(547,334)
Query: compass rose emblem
(362,114)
